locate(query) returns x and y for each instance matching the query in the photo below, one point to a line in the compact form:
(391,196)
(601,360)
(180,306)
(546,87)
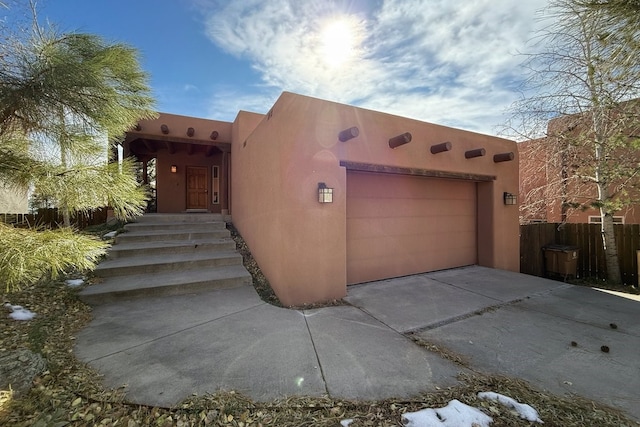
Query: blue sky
(448,62)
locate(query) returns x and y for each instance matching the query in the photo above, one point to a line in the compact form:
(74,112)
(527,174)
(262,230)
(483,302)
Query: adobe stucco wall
(299,243)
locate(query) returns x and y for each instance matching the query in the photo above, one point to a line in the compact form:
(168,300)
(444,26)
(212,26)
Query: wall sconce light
(510,199)
(325,194)
(174,168)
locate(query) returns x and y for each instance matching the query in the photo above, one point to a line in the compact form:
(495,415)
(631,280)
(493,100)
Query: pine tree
(65,99)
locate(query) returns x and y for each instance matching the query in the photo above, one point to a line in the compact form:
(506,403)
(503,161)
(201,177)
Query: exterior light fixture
(510,199)
(174,168)
(325,194)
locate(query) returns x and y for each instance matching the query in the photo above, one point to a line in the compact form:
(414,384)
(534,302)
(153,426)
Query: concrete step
(159,247)
(179,217)
(165,284)
(168,254)
(191,226)
(171,235)
(162,263)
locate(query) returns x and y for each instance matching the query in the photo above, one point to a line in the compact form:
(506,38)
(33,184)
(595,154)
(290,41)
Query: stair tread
(147,260)
(203,224)
(138,282)
(154,244)
(179,217)
(169,255)
(140,233)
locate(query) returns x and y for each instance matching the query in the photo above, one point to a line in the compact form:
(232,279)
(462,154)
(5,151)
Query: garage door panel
(394,246)
(398,187)
(413,263)
(368,228)
(402,208)
(400,225)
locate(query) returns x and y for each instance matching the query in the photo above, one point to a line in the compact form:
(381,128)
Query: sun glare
(338,42)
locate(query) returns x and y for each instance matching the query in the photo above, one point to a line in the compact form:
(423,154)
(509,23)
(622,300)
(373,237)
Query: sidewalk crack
(315,350)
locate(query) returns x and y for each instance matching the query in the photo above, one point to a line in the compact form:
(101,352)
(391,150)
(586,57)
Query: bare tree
(580,116)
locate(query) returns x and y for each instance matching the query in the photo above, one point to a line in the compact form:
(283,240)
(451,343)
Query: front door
(197,189)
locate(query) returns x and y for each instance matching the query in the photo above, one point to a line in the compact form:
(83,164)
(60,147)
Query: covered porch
(186,159)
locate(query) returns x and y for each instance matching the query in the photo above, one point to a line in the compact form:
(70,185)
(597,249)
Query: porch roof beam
(210,150)
(149,145)
(171,147)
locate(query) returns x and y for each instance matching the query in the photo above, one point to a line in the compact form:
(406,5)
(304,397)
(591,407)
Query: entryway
(197,187)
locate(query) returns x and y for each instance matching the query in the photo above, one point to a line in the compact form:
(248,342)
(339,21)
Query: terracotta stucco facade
(311,251)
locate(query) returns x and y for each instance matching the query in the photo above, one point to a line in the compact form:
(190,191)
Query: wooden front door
(197,189)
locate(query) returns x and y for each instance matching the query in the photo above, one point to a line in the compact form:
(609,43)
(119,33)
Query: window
(215,185)
(598,220)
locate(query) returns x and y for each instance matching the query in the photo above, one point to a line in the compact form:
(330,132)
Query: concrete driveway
(546,332)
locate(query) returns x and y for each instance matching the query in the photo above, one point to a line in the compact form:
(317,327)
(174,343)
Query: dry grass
(260,283)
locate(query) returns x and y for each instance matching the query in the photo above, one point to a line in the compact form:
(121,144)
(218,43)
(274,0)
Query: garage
(401,224)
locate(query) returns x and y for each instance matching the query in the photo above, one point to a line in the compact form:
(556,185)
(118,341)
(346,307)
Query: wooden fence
(52,218)
(588,239)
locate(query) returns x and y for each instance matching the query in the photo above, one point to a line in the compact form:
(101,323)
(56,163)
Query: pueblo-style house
(327,195)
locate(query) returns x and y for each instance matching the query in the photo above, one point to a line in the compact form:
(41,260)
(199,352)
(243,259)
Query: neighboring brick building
(550,191)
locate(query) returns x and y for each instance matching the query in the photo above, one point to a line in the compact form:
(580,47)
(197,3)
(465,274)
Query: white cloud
(225,101)
(446,62)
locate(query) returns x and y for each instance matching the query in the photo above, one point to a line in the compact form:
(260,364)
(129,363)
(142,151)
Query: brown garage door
(399,225)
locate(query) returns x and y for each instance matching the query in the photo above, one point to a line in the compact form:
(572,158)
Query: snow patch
(347,422)
(455,414)
(109,235)
(525,411)
(74,282)
(20,313)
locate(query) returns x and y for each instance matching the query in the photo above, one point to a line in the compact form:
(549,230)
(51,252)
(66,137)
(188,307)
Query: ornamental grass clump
(27,255)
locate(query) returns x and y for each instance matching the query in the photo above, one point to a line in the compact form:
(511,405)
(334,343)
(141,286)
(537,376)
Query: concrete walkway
(166,348)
